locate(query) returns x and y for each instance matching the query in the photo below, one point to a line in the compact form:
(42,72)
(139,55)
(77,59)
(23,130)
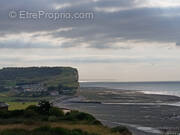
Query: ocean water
(165,88)
(147,118)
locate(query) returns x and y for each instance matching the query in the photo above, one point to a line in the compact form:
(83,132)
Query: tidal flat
(144,114)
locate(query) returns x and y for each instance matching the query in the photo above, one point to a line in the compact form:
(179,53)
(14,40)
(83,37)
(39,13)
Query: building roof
(3,104)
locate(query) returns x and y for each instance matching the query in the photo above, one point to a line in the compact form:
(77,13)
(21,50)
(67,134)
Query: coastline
(108,95)
(143,114)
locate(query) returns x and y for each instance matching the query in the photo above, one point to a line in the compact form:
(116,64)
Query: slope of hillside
(50,78)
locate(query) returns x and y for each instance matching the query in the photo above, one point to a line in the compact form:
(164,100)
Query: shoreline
(142,113)
(106,95)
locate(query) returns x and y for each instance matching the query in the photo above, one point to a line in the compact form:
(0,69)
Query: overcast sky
(126,40)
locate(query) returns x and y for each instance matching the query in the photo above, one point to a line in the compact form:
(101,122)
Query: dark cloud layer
(145,24)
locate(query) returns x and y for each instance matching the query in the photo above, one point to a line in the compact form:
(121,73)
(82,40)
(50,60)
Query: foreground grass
(46,130)
(13,98)
(20,105)
(92,129)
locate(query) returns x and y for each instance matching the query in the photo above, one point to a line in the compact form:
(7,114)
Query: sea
(164,88)
(117,114)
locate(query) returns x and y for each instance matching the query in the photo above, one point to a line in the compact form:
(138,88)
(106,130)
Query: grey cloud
(90,59)
(142,24)
(177,44)
(20,44)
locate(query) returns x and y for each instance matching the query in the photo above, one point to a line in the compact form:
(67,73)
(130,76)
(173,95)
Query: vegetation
(26,117)
(20,105)
(44,111)
(19,100)
(45,131)
(32,84)
(52,78)
(92,129)
(44,119)
(121,129)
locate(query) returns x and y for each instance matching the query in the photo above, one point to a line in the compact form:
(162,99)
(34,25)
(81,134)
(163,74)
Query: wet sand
(144,114)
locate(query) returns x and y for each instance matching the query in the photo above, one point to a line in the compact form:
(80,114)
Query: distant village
(36,89)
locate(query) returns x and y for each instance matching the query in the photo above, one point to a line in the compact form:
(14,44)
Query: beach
(143,114)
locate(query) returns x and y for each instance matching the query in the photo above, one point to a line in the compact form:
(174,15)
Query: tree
(44,106)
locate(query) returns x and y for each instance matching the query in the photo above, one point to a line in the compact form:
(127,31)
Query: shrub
(60,131)
(52,118)
(14,132)
(11,114)
(81,116)
(45,130)
(16,113)
(51,114)
(10,121)
(96,122)
(44,107)
(85,116)
(29,122)
(33,108)
(56,112)
(122,130)
(30,113)
(4,114)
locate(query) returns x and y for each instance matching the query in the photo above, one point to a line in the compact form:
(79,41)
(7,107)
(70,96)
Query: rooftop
(3,104)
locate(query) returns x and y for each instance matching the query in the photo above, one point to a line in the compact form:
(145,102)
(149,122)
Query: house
(65,110)
(54,93)
(32,87)
(3,106)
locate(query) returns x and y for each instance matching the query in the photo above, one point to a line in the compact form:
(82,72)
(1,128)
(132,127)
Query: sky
(122,40)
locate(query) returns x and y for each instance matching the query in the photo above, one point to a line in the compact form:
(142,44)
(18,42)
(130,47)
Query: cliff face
(50,77)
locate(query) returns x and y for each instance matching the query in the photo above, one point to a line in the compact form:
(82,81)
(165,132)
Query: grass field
(20,105)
